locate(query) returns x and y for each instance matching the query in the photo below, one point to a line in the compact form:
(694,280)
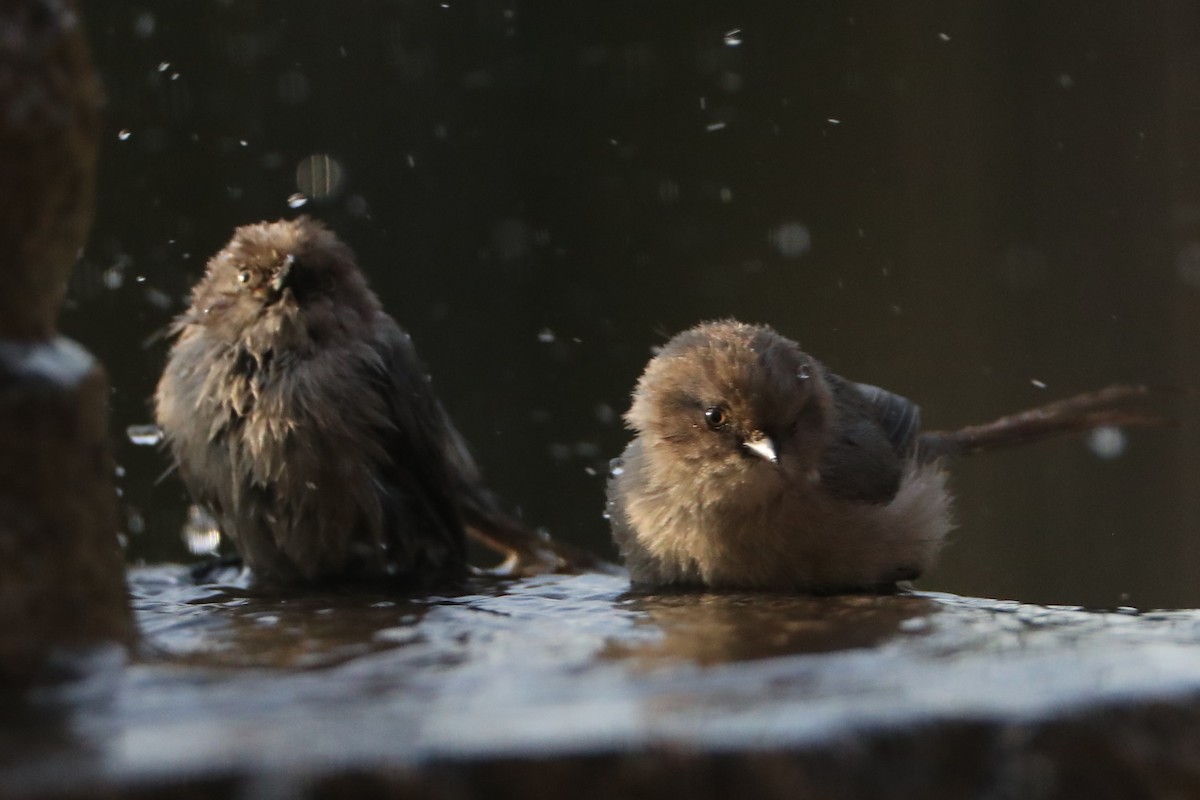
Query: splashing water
(144,435)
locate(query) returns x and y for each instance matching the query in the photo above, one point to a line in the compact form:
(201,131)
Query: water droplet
(296,200)
(157,298)
(113,277)
(587,450)
(545,336)
(1108,442)
(714,126)
(200,532)
(144,435)
(124,134)
(945,37)
(792,239)
(143,26)
(163,66)
(733,38)
(1037,384)
(319,176)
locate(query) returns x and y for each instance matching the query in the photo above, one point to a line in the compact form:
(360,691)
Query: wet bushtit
(299,415)
(756,467)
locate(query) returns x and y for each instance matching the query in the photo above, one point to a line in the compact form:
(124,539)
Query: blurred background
(981,206)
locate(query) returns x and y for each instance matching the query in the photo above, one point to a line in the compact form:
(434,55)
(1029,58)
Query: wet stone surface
(595,690)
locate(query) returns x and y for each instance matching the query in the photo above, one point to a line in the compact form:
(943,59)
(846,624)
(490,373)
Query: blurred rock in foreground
(61,572)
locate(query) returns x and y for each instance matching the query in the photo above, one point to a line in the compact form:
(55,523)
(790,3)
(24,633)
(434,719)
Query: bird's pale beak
(281,275)
(761,445)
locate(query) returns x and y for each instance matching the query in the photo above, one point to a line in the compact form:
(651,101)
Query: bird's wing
(899,417)
(418,484)
(872,433)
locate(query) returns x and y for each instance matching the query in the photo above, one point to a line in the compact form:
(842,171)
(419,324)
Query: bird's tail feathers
(1103,408)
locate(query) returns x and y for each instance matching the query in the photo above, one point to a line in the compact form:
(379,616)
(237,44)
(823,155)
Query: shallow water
(229,680)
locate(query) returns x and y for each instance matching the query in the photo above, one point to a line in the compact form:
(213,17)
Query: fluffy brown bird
(756,467)
(301,418)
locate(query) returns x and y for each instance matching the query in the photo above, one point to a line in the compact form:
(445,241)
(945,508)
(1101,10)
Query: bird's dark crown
(719,384)
(278,269)
(265,258)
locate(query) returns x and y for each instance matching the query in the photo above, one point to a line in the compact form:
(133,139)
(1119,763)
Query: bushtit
(299,415)
(754,466)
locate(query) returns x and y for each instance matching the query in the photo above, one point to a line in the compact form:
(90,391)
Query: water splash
(144,435)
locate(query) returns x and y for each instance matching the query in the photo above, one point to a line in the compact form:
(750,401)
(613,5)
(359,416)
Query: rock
(50,101)
(61,570)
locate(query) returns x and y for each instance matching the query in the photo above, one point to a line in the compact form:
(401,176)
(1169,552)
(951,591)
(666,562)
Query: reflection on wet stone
(596,692)
(727,628)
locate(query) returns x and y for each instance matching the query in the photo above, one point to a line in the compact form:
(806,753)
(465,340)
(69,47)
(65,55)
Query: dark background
(950,200)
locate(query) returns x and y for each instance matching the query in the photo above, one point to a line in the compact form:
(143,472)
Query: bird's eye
(244,276)
(803,373)
(716,417)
